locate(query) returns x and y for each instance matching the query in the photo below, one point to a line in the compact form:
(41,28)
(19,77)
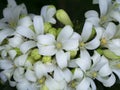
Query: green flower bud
(46,59)
(44,87)
(63,17)
(92,34)
(18,51)
(35,54)
(110,55)
(100,51)
(73,53)
(30,59)
(53,31)
(47,26)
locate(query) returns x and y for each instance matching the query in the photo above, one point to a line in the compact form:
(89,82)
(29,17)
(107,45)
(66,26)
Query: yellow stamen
(82,44)
(103,41)
(58,45)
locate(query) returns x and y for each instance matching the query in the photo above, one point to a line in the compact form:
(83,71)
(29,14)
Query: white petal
(47,39)
(12,83)
(39,69)
(110,31)
(19,74)
(11,3)
(94,20)
(30,75)
(12,53)
(26,46)
(25,85)
(95,58)
(84,85)
(20,61)
(114,46)
(47,50)
(26,32)
(108,81)
(71,44)
(116,15)
(72,64)
(6,64)
(84,61)
(91,13)
(103,5)
(16,41)
(38,24)
(67,75)
(58,74)
(78,74)
(93,44)
(62,59)
(5,33)
(65,33)
(75,36)
(25,21)
(87,30)
(99,32)
(105,70)
(3,78)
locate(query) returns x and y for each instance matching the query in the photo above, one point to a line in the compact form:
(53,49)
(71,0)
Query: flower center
(58,45)
(82,44)
(103,41)
(42,80)
(73,84)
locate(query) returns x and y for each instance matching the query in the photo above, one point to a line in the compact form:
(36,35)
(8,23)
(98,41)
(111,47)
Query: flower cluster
(38,54)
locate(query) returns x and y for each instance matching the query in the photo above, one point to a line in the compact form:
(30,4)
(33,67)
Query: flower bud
(100,51)
(18,51)
(35,54)
(46,59)
(63,17)
(47,26)
(73,53)
(53,31)
(110,55)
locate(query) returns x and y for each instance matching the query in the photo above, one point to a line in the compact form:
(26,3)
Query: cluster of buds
(37,54)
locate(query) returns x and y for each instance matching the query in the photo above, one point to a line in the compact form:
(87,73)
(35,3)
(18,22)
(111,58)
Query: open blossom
(37,54)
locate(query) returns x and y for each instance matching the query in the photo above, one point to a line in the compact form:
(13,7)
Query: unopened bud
(63,17)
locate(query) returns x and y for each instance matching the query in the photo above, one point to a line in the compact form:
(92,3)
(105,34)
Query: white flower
(48,46)
(48,12)
(85,35)
(42,69)
(30,34)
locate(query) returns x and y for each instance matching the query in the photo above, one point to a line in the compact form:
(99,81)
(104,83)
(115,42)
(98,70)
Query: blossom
(48,46)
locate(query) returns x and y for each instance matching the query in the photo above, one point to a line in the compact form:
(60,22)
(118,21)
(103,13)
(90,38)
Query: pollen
(82,44)
(103,41)
(58,45)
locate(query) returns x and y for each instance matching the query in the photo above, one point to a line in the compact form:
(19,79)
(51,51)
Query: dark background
(75,9)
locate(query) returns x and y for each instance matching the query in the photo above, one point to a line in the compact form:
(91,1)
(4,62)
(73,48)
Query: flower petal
(12,53)
(91,13)
(11,3)
(38,24)
(6,64)
(93,44)
(84,61)
(87,30)
(71,44)
(62,59)
(25,21)
(20,61)
(117,72)
(47,39)
(78,74)
(30,75)
(26,46)
(65,33)
(26,32)
(108,81)
(103,5)
(47,50)
(105,70)
(110,31)
(5,33)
